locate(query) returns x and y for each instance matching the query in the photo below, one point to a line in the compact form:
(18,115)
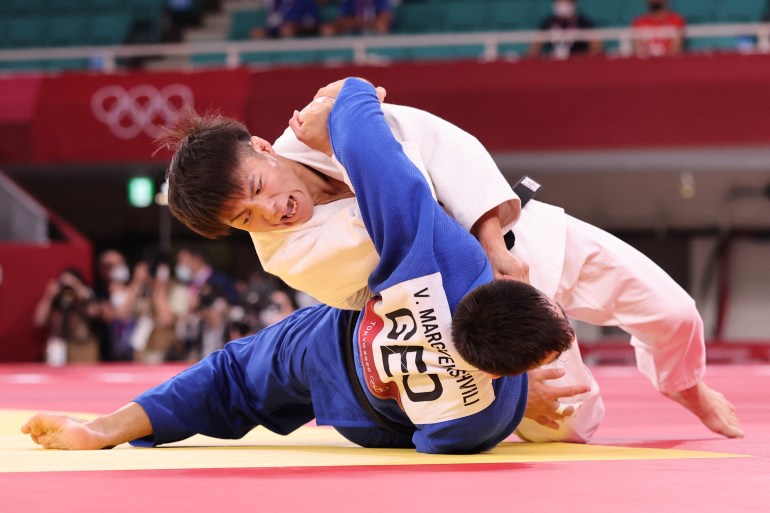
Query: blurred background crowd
(160,309)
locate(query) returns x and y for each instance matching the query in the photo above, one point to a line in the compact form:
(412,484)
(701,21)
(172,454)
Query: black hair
(507,327)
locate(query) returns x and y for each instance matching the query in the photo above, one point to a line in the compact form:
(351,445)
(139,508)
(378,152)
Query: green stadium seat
(241,23)
(608,13)
(465,16)
(108,29)
(107,6)
(419,18)
(742,11)
(513,15)
(68,30)
(26,32)
(60,7)
(698,11)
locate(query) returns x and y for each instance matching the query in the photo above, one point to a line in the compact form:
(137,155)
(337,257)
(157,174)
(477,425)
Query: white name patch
(407,354)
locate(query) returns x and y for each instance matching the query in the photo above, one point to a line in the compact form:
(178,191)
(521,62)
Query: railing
(22,219)
(364,47)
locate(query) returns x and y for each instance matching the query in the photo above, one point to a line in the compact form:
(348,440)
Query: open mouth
(291,208)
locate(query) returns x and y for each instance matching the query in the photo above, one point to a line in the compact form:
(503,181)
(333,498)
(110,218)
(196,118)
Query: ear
(262,146)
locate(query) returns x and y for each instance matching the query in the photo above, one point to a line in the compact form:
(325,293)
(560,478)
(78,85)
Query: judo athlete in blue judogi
(390,376)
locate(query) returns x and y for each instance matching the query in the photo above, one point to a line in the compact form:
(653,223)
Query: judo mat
(648,455)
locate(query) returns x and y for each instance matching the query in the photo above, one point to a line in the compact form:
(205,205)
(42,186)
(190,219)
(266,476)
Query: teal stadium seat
(513,15)
(465,16)
(107,6)
(68,30)
(608,13)
(698,11)
(61,7)
(27,32)
(241,23)
(742,11)
(419,18)
(108,29)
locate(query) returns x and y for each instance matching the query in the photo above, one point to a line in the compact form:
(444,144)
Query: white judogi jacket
(330,257)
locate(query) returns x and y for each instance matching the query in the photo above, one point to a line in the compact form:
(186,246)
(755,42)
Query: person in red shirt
(659,17)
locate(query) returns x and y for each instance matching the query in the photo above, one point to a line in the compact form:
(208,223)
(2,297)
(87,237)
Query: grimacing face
(273,196)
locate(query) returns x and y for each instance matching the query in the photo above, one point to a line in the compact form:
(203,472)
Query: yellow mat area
(307,447)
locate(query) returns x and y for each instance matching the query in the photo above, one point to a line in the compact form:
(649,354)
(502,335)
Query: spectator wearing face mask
(561,44)
(112,277)
(669,26)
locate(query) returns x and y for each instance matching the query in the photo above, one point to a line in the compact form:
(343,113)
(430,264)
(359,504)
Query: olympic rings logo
(141,109)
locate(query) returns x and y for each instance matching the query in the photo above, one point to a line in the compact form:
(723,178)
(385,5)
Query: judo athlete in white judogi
(323,249)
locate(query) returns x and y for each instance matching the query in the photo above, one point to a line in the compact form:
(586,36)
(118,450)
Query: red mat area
(636,417)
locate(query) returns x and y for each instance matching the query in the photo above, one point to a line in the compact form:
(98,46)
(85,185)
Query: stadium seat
(742,11)
(26,32)
(698,11)
(68,30)
(108,29)
(418,18)
(514,15)
(241,23)
(107,6)
(465,16)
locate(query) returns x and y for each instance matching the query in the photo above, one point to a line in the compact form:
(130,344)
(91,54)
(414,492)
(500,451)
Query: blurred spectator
(289,18)
(561,44)
(205,326)
(361,17)
(111,268)
(167,302)
(69,310)
(280,307)
(659,18)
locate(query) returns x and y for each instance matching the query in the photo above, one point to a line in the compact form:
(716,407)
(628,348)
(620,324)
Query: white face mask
(120,273)
(183,273)
(563,9)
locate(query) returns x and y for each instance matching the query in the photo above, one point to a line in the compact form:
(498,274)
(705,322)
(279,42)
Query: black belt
(350,365)
(525,189)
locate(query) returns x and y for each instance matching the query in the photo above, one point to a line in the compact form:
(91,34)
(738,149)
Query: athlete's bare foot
(54,431)
(711,407)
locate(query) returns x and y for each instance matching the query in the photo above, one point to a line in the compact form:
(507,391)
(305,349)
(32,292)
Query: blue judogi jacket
(403,355)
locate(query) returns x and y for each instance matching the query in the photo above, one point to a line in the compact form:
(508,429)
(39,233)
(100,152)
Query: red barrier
(590,103)
(115,118)
(25,270)
(18,97)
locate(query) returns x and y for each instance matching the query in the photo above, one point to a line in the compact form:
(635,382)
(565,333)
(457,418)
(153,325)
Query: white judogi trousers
(606,282)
